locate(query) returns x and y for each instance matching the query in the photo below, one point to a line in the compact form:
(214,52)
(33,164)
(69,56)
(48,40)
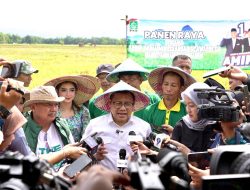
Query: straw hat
(156,76)
(127,66)
(94,80)
(85,87)
(43,94)
(141,99)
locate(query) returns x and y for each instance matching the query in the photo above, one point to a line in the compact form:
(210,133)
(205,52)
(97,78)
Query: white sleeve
(71,138)
(87,131)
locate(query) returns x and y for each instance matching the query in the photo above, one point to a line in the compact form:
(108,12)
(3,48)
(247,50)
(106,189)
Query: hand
(141,147)
(99,177)
(101,152)
(196,176)
(3,61)
(180,147)
(8,99)
(73,151)
(235,73)
(168,128)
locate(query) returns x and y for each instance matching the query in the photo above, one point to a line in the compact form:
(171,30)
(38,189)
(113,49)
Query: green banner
(210,44)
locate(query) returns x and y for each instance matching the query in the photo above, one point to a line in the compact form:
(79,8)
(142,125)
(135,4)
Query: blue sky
(87,18)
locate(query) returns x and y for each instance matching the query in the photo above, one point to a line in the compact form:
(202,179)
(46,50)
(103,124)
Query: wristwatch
(4,113)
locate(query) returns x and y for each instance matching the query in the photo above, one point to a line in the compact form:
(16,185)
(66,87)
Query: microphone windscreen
(131,133)
(122,154)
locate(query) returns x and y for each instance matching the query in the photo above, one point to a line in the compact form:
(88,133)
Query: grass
(59,60)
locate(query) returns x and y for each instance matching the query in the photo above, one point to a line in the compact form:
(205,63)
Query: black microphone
(131,133)
(118,131)
(121,162)
(122,154)
(99,140)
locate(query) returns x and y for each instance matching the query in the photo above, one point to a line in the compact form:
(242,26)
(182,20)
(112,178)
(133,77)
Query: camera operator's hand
(3,61)
(8,99)
(101,152)
(99,177)
(180,147)
(235,73)
(196,176)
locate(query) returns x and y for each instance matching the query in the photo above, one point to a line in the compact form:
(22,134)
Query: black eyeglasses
(119,104)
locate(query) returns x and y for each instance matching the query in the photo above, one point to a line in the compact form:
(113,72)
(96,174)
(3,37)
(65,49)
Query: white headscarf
(190,93)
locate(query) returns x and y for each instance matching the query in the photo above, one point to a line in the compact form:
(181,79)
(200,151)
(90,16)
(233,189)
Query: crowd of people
(52,120)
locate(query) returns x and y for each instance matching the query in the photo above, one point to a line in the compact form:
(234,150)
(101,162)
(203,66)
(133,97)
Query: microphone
(99,140)
(132,137)
(122,162)
(118,131)
(158,140)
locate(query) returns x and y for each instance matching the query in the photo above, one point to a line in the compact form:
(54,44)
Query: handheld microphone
(132,137)
(158,139)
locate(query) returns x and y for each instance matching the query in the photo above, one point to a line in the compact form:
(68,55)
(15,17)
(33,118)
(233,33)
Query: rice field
(59,60)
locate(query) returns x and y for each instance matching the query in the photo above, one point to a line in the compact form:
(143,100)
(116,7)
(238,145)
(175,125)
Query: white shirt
(113,140)
(49,141)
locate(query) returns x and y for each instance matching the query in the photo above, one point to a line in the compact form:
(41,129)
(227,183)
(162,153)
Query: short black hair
(233,30)
(185,57)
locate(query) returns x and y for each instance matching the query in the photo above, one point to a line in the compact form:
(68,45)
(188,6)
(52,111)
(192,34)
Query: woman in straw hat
(168,82)
(76,90)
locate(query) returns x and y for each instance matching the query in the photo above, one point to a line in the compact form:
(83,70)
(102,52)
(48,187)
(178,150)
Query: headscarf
(190,93)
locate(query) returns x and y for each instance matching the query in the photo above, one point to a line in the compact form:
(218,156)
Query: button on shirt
(116,137)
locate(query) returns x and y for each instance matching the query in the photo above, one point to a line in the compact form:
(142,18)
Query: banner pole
(126,22)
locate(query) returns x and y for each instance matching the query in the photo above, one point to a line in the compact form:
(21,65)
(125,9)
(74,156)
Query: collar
(111,121)
(176,107)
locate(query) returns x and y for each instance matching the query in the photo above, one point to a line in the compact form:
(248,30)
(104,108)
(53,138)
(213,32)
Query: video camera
(145,174)
(220,106)
(229,168)
(19,172)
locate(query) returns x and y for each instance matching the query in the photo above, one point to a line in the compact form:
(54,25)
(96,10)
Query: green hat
(127,66)
(26,67)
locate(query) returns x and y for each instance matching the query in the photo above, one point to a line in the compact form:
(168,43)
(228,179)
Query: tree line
(28,39)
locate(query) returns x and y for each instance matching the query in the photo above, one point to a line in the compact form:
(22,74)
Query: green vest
(32,130)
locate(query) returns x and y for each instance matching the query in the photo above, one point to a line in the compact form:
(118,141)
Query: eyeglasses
(119,104)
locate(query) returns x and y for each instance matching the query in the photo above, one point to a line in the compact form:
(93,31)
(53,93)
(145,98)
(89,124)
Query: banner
(210,44)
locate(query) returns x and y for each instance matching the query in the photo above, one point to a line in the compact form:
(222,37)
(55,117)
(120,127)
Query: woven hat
(127,66)
(85,87)
(94,80)
(141,99)
(156,76)
(43,94)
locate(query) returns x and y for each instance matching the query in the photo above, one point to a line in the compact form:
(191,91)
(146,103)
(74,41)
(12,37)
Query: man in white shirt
(120,101)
